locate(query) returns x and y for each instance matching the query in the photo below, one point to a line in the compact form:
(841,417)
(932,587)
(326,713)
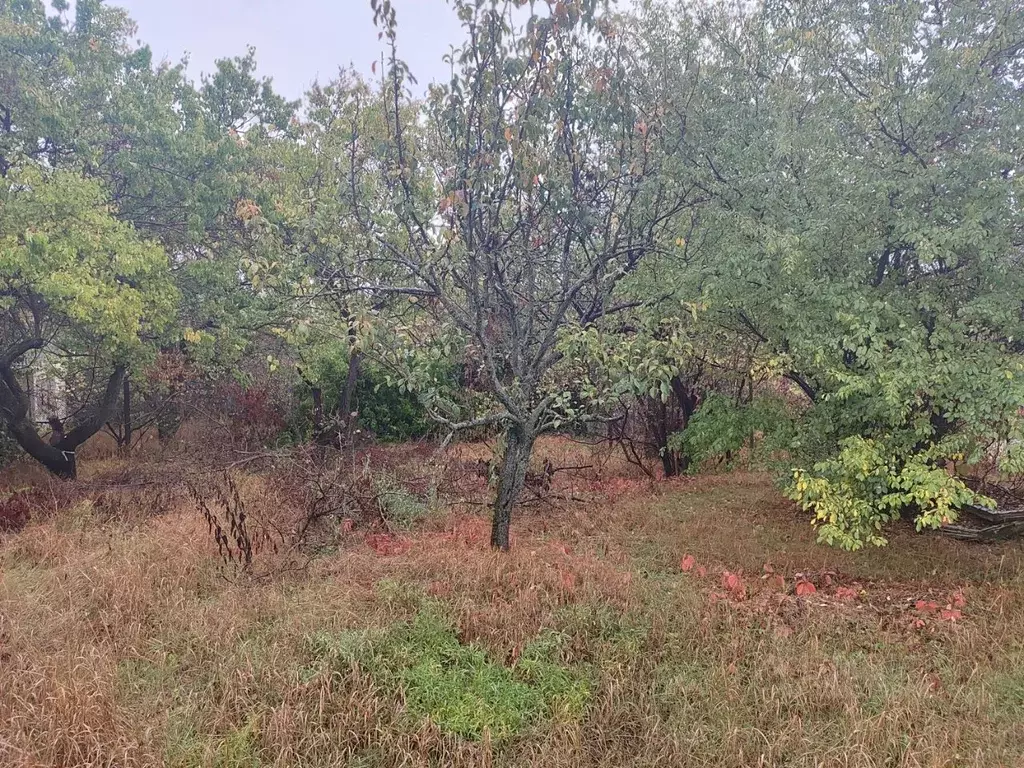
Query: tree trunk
(60,461)
(511,479)
(673,463)
(687,399)
(317,393)
(318,411)
(670,418)
(347,395)
(60,457)
(663,428)
(126,415)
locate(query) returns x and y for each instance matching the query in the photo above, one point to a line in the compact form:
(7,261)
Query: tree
(867,184)
(540,176)
(175,160)
(77,284)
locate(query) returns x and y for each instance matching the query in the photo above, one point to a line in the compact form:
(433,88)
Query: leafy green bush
(397,504)
(721,428)
(868,484)
(390,412)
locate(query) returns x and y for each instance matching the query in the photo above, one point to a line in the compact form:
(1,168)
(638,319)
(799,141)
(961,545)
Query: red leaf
(702,571)
(950,614)
(926,606)
(777,582)
(805,588)
(768,568)
(734,584)
(687,563)
(846,594)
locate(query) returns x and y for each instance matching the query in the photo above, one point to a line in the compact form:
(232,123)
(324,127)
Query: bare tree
(521,195)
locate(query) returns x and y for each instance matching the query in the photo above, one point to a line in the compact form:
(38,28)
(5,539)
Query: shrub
(868,484)
(721,428)
(398,506)
(254,411)
(388,411)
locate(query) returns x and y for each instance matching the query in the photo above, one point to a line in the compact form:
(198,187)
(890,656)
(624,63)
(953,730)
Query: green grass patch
(1007,689)
(459,687)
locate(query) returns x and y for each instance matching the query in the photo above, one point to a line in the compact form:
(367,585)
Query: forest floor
(689,622)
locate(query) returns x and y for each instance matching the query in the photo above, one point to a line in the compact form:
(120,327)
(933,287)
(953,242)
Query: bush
(388,412)
(255,412)
(868,484)
(721,428)
(398,506)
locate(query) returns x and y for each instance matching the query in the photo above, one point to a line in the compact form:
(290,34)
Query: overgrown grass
(123,642)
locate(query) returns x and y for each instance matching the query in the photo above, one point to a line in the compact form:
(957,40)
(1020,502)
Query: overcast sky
(297,41)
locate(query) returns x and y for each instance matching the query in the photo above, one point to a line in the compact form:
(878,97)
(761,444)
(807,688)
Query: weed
(237,534)
(457,686)
(239,749)
(398,507)
(1008,692)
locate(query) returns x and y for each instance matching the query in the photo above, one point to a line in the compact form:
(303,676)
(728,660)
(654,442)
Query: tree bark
(318,411)
(347,395)
(317,393)
(687,398)
(662,429)
(57,460)
(519,441)
(126,415)
(673,417)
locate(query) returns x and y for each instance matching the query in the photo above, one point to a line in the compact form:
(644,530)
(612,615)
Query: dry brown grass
(124,641)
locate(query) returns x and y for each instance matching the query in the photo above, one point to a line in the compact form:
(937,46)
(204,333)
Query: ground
(691,622)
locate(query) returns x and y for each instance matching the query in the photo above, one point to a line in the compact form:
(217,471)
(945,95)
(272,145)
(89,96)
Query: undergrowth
(697,623)
(457,686)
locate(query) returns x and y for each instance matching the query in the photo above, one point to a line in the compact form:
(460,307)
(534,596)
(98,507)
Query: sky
(297,41)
